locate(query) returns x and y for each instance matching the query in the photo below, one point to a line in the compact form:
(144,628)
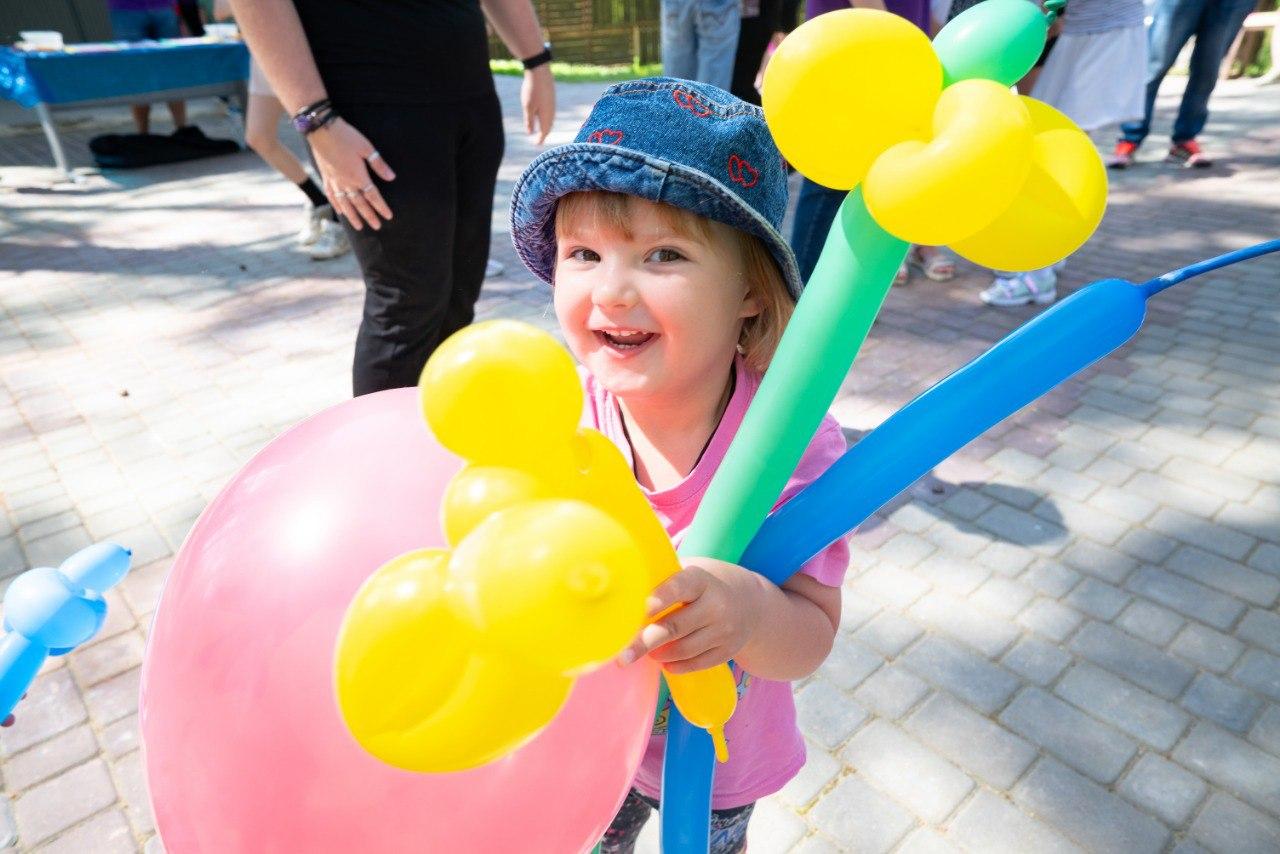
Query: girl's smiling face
(651,299)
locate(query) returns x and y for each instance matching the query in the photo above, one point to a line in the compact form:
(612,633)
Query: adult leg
(679,42)
(131,25)
(261,132)
(165,24)
(1218,26)
(753,37)
(718,22)
(816,208)
(178,112)
(1174,22)
(408,262)
(141,117)
(478,156)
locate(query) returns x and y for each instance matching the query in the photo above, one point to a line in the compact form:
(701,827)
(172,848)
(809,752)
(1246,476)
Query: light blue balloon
(42,604)
(98,567)
(52,611)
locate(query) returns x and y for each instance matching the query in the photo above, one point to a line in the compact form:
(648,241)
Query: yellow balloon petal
(1058,207)
(401,650)
(501,392)
(844,87)
(497,705)
(556,583)
(476,492)
(939,191)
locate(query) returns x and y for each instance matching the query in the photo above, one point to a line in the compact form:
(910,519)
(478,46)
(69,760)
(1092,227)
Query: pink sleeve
(829,565)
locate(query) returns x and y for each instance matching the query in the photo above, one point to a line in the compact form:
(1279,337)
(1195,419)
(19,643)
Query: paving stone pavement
(1064,638)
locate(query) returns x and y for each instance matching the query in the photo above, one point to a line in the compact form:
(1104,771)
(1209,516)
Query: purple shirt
(138,5)
(915,11)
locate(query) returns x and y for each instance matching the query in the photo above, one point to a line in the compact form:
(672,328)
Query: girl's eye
(665,255)
(584,255)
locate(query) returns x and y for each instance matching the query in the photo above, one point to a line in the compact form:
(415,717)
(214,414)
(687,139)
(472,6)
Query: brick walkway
(1065,638)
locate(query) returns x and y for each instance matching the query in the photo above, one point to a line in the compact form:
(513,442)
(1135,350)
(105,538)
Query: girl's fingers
(679,623)
(687,648)
(704,661)
(683,587)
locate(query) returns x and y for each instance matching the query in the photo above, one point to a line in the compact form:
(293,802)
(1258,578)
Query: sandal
(938,267)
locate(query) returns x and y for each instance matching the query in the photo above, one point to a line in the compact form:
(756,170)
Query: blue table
(93,75)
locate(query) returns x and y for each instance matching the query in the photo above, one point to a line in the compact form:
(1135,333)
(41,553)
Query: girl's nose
(614,287)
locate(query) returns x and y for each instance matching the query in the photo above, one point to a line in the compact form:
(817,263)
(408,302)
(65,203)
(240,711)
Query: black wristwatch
(538,58)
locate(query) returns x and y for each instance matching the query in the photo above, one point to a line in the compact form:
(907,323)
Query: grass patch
(567,72)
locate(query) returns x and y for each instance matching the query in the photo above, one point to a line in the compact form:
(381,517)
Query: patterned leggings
(728,827)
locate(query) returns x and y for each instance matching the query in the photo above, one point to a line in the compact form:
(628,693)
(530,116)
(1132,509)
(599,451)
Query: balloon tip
(722,747)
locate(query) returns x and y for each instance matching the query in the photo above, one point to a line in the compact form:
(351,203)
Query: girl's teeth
(627,338)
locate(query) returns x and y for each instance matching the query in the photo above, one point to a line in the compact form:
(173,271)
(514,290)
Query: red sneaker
(1122,157)
(1189,154)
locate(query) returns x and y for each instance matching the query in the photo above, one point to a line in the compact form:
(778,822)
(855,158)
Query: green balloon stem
(832,319)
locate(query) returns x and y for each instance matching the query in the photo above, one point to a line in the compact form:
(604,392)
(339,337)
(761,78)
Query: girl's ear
(751,306)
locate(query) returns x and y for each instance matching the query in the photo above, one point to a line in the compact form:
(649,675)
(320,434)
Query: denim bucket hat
(689,145)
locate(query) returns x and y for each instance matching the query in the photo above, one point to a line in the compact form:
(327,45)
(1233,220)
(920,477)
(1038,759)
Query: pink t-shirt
(765,747)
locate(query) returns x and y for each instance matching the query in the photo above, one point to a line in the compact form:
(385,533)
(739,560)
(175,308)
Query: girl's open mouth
(624,340)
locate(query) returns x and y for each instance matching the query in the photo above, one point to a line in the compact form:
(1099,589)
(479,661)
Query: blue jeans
(1214,23)
(699,39)
(816,208)
(135,25)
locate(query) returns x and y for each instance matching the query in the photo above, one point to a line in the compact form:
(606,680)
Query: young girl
(658,228)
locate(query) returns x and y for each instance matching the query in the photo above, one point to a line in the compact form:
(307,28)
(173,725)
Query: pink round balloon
(244,747)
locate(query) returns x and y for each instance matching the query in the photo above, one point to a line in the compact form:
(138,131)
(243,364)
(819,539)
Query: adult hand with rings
(345,157)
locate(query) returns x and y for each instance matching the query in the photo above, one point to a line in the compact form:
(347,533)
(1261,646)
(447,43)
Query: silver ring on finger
(367,189)
(373,155)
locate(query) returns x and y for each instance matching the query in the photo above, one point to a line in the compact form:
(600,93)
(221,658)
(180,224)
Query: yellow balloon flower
(448,659)
(856,96)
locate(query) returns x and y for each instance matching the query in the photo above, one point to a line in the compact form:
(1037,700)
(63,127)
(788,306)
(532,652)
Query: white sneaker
(493,269)
(312,217)
(1037,286)
(331,243)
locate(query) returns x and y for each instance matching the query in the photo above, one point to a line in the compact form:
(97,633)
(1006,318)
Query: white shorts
(1097,79)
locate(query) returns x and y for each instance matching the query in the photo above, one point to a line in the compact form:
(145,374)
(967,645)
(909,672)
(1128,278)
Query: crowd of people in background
(423,266)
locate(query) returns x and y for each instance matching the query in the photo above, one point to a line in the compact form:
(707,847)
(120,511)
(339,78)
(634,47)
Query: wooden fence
(598,32)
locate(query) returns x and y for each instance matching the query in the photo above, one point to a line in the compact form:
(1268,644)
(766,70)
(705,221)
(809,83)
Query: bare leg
(262,123)
(141,117)
(178,112)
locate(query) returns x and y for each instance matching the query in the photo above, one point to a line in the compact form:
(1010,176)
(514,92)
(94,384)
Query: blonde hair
(760,333)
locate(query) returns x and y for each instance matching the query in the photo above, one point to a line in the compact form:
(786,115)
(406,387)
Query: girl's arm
(779,633)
